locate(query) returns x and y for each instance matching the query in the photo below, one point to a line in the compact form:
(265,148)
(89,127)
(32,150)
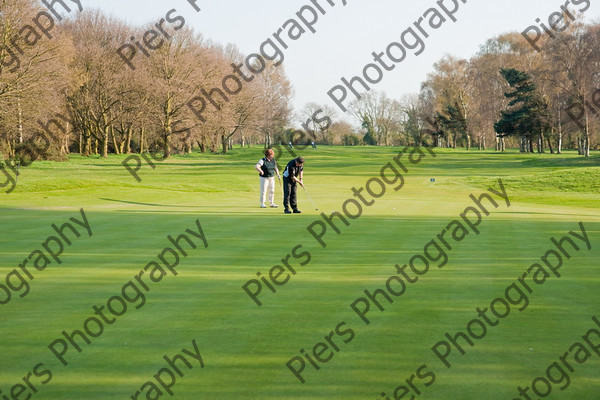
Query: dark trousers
(290,190)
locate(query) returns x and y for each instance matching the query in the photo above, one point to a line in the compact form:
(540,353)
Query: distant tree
(453,97)
(528,115)
(350,139)
(340,130)
(102,87)
(34,75)
(369,137)
(175,77)
(453,120)
(314,116)
(275,92)
(576,53)
(379,116)
(411,124)
(427,115)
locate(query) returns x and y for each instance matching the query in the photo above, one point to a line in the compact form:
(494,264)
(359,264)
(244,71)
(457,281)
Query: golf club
(311,200)
(17,177)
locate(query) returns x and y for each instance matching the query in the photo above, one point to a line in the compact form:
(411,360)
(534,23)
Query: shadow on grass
(144,204)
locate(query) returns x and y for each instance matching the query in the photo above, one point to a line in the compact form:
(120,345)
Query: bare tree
(275,93)
(379,115)
(575,52)
(317,119)
(33,75)
(178,70)
(96,103)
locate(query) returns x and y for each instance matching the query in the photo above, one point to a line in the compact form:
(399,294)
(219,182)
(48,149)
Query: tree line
(72,93)
(508,94)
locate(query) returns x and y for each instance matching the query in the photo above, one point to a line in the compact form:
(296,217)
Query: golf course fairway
(249,351)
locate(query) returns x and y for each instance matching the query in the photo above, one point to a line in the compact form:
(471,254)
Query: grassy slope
(245,347)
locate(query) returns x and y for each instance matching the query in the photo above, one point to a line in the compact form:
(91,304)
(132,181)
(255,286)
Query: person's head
(269,153)
(299,161)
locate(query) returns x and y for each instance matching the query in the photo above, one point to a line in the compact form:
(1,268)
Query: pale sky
(347,35)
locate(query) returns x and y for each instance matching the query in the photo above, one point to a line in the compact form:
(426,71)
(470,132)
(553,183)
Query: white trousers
(267,185)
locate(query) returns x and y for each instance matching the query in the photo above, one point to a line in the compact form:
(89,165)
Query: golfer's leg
(286,194)
(272,190)
(263,190)
(293,196)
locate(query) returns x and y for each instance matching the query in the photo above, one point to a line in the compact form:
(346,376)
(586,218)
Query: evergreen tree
(528,116)
(369,138)
(455,121)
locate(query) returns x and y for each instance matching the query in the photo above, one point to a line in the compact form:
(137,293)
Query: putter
(17,178)
(311,200)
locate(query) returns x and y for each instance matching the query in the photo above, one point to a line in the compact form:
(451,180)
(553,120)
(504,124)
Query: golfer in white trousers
(267,168)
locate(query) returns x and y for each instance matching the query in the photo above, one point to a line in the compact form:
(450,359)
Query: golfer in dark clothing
(291,177)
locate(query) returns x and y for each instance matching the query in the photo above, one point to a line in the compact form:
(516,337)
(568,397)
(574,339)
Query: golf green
(309,326)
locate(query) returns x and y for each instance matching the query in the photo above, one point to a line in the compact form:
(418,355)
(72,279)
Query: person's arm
(300,180)
(258,167)
(277,171)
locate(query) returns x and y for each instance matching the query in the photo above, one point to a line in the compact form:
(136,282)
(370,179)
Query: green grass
(245,347)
